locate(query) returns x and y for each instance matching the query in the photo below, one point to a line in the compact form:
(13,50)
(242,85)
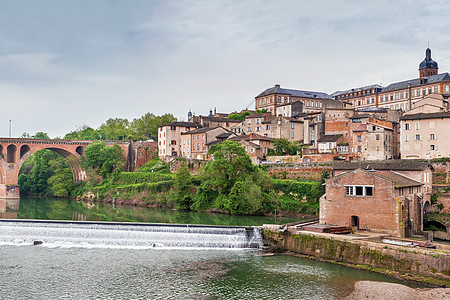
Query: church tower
(428,66)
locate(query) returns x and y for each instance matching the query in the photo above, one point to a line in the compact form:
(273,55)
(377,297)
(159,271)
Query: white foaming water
(128,236)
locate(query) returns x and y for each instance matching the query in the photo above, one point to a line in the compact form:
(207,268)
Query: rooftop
(395,165)
(294,93)
(437,115)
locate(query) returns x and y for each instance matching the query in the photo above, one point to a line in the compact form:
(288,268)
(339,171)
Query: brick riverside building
(386,197)
(375,200)
(400,95)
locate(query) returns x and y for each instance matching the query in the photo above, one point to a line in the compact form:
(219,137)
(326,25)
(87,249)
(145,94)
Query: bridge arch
(11,151)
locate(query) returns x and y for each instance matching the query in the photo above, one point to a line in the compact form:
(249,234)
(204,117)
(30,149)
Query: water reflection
(9,208)
(66,209)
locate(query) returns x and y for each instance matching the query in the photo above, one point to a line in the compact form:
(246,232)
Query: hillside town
(379,141)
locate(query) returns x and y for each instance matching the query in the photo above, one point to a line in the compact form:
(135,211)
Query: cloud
(82,62)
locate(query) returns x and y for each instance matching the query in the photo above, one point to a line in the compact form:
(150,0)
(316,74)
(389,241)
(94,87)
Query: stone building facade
(169,138)
(275,96)
(194,143)
(424,129)
(403,94)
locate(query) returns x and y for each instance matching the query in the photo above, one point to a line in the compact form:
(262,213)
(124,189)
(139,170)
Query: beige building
(169,138)
(194,143)
(270,126)
(403,94)
(425,130)
(276,96)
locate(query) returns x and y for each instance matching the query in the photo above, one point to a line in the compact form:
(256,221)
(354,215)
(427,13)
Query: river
(86,263)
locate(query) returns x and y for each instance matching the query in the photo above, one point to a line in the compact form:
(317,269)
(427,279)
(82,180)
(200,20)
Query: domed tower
(428,66)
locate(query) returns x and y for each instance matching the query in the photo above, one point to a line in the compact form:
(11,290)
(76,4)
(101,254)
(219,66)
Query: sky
(69,63)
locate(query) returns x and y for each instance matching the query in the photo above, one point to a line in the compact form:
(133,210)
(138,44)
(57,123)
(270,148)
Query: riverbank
(385,290)
(428,266)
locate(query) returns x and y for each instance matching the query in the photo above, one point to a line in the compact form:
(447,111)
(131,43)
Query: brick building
(376,200)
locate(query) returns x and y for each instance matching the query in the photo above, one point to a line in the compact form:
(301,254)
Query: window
(359,148)
(432,147)
(292,134)
(432,124)
(417,137)
(359,138)
(267,127)
(292,125)
(417,126)
(432,136)
(377,137)
(406,138)
(257,128)
(358,190)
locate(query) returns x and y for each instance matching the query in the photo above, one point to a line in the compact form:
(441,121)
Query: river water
(92,261)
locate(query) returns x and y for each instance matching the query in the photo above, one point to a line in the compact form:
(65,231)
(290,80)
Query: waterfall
(128,235)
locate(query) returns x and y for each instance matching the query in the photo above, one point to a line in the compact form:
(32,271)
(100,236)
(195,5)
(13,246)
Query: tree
(83,132)
(182,188)
(147,125)
(115,129)
(230,181)
(46,173)
(104,160)
(283,146)
(25,135)
(41,135)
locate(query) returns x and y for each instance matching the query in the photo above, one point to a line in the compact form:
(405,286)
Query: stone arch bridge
(14,152)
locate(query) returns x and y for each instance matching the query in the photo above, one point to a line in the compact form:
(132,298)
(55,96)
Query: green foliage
(182,188)
(310,190)
(46,173)
(284,147)
(155,165)
(41,135)
(239,116)
(83,133)
(434,198)
(104,160)
(115,129)
(147,125)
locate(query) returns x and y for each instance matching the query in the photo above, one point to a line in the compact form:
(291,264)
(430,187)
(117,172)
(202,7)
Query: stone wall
(421,264)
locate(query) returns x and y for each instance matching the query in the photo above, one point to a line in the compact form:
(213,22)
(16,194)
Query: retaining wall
(420,264)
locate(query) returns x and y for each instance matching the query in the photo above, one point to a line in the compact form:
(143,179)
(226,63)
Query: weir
(71,234)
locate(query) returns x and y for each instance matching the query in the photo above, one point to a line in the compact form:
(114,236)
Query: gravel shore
(385,290)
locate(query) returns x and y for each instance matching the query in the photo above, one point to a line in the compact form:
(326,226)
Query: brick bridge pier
(14,152)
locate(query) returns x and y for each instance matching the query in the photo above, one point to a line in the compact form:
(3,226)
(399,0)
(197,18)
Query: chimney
(266,117)
(251,136)
(215,111)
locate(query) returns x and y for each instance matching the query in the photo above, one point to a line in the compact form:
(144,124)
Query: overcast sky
(68,63)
